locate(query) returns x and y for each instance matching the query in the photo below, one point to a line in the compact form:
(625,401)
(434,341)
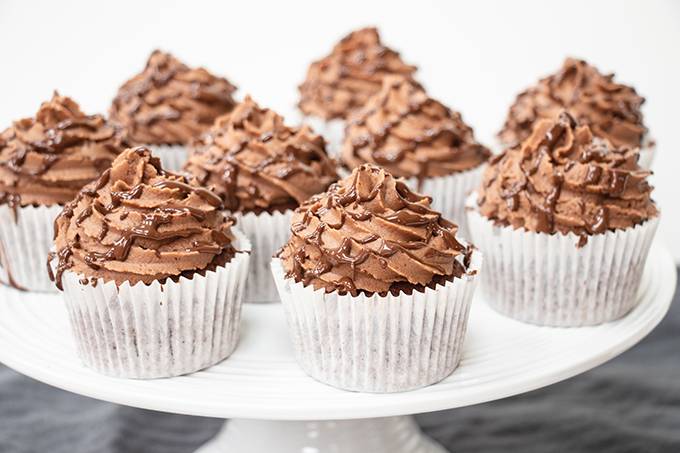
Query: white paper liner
(158,330)
(172,157)
(449,193)
(332,130)
(547,280)
(378,344)
(267,233)
(26,244)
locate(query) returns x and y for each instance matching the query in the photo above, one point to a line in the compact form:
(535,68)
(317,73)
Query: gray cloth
(631,404)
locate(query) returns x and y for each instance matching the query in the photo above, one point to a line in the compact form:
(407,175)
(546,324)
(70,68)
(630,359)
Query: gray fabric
(631,404)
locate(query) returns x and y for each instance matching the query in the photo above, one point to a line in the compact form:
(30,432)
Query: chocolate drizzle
(140,223)
(563,179)
(255,162)
(410,134)
(368,233)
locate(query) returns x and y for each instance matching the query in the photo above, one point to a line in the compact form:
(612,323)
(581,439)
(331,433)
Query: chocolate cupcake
(343,81)
(151,270)
(262,170)
(416,137)
(44,162)
(375,285)
(565,222)
(611,110)
(168,105)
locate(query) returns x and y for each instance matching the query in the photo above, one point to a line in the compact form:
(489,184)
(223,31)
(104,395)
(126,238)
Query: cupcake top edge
(410,134)
(612,110)
(46,159)
(564,179)
(139,223)
(343,80)
(369,233)
(169,103)
(256,163)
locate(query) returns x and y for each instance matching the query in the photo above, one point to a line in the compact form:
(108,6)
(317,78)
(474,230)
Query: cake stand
(276,408)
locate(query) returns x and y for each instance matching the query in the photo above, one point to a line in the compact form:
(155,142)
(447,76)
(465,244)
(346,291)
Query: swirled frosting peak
(610,109)
(410,134)
(170,103)
(47,159)
(255,162)
(345,79)
(138,223)
(563,179)
(370,233)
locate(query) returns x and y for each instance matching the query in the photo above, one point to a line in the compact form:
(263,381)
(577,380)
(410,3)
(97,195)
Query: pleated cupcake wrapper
(172,157)
(378,344)
(332,130)
(449,193)
(25,244)
(267,233)
(547,280)
(158,330)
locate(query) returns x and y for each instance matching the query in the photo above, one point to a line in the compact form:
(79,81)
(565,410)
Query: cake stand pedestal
(276,408)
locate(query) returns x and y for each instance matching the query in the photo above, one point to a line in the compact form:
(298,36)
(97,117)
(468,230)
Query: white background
(474,56)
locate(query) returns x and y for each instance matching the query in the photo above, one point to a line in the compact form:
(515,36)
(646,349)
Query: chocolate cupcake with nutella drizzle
(262,170)
(344,80)
(169,104)
(611,109)
(565,221)
(44,162)
(416,137)
(150,268)
(366,256)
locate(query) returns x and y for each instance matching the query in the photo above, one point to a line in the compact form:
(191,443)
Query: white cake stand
(278,409)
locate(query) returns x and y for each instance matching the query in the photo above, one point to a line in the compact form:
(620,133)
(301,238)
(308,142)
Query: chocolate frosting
(345,79)
(370,233)
(138,223)
(410,134)
(255,162)
(169,103)
(46,160)
(612,110)
(563,179)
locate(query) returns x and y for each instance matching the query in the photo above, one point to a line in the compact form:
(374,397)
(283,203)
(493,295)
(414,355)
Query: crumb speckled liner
(25,243)
(378,344)
(172,157)
(267,232)
(331,130)
(449,194)
(547,280)
(158,330)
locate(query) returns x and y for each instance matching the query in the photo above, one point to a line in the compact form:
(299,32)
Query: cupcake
(375,286)
(344,80)
(416,137)
(151,270)
(611,110)
(565,222)
(168,105)
(44,162)
(262,170)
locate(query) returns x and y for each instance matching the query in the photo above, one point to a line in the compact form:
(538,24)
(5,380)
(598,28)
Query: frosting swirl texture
(170,103)
(563,179)
(255,162)
(370,233)
(410,134)
(610,109)
(345,79)
(138,223)
(47,159)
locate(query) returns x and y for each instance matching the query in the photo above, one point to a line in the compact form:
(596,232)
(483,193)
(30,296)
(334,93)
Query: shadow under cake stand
(276,408)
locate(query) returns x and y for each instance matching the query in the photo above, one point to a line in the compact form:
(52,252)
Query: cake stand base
(373,435)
